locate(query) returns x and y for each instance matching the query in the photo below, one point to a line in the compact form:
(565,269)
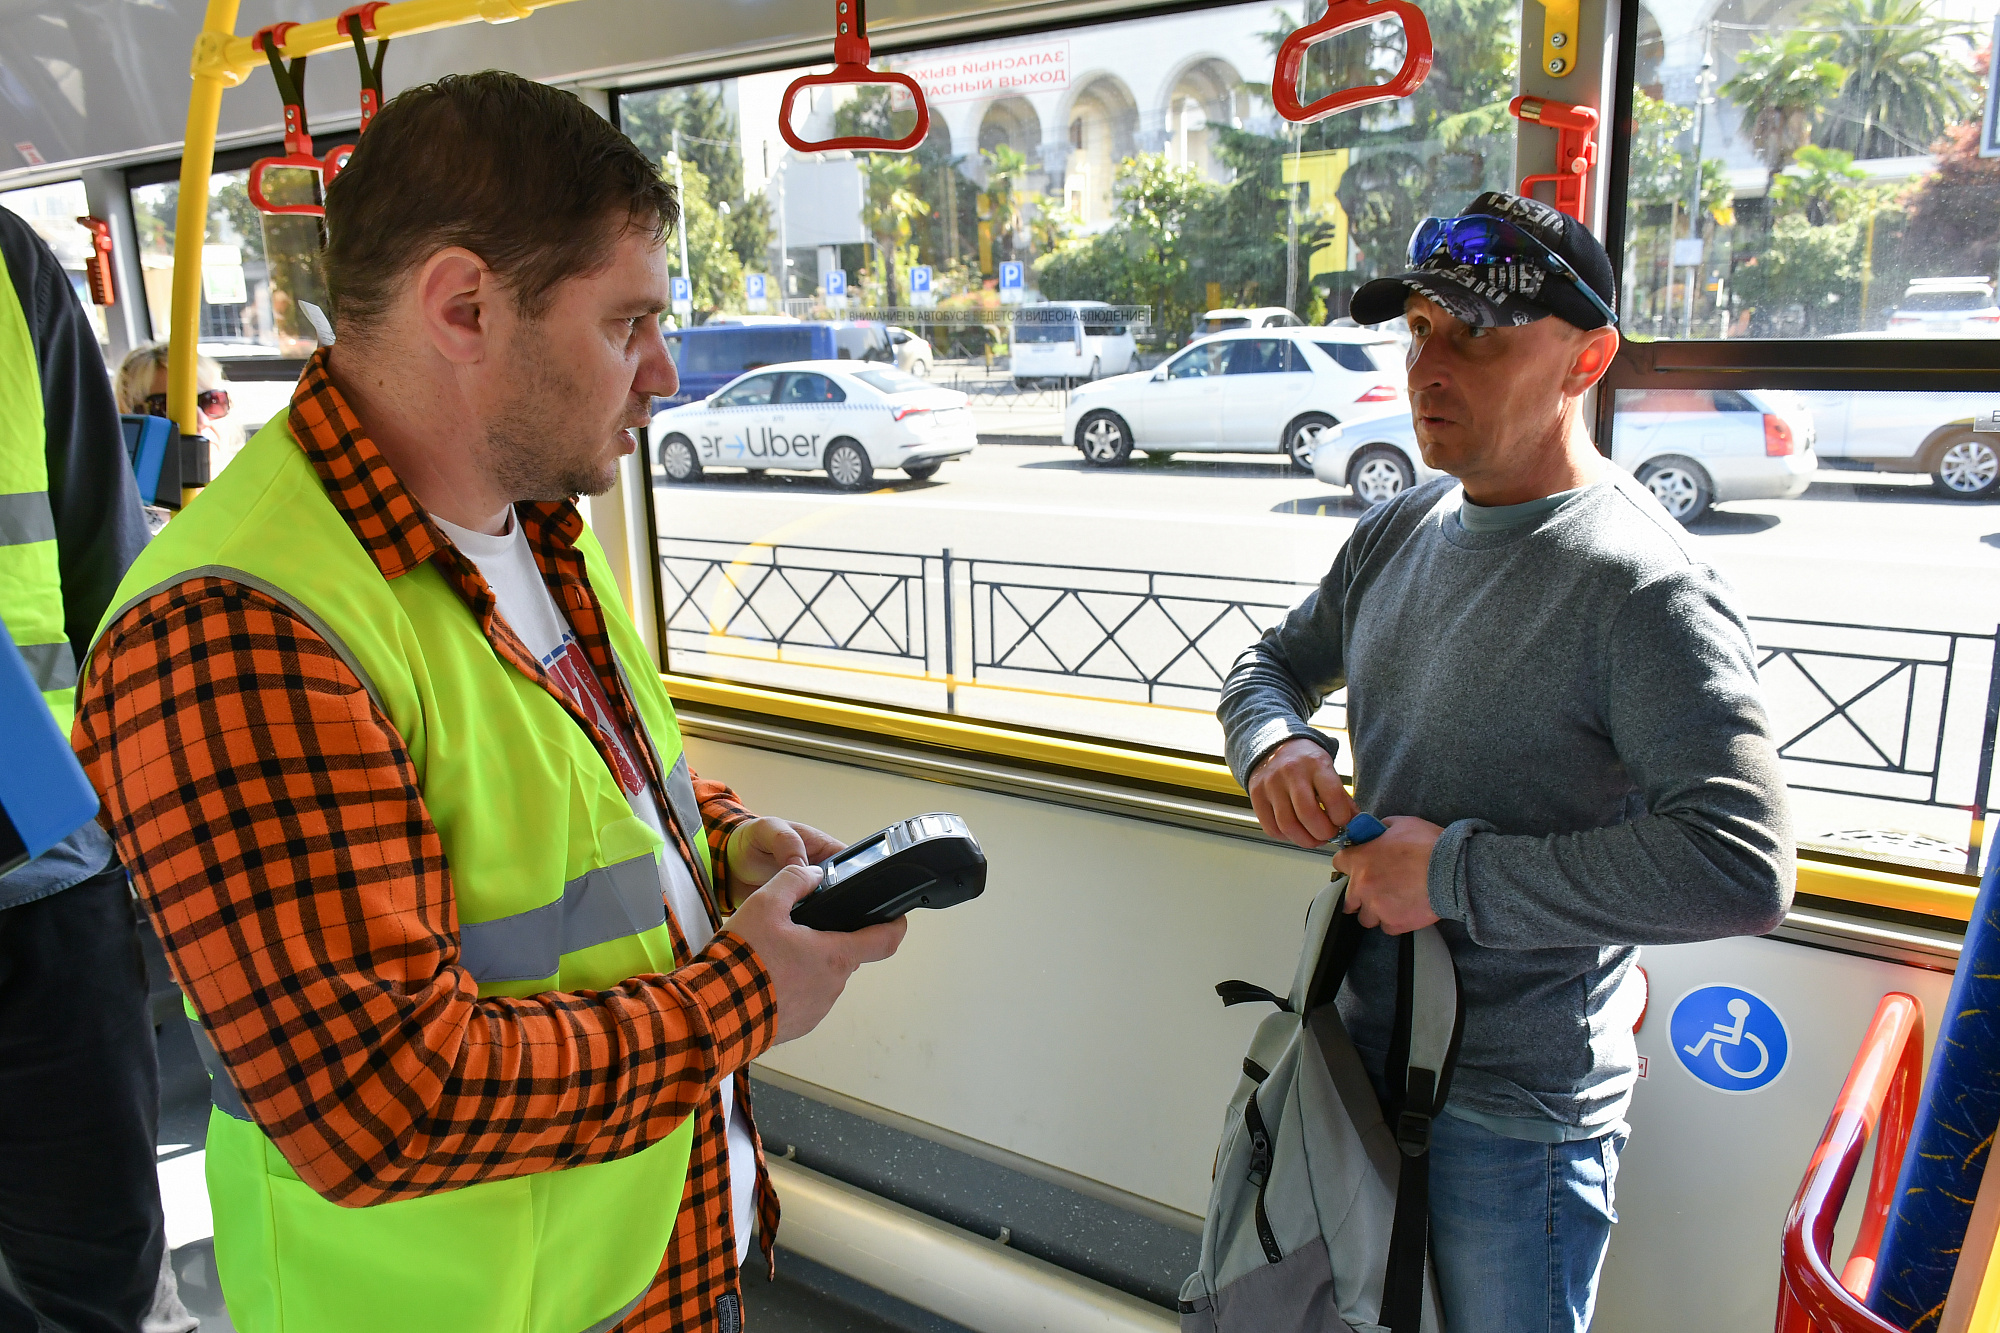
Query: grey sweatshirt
(1575,701)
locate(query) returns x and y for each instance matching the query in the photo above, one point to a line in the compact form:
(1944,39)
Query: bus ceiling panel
(102,91)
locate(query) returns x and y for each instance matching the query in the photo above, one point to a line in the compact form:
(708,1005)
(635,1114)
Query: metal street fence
(1866,711)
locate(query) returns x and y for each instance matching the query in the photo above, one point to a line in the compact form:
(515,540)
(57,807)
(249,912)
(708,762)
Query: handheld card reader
(925,861)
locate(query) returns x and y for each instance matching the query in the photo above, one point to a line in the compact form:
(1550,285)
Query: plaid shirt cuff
(728,983)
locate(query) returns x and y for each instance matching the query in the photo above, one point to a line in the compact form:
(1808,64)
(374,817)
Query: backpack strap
(1423,1051)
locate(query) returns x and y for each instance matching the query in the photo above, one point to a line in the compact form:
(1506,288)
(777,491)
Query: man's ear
(1595,349)
(456,296)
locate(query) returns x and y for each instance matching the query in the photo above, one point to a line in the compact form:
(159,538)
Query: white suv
(1259,391)
(1954,307)
(1953,435)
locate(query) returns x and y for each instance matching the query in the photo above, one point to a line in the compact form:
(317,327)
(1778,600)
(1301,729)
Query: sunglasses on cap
(212,402)
(1478,239)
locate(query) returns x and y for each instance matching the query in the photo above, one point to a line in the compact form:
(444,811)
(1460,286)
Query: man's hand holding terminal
(808,968)
(1298,796)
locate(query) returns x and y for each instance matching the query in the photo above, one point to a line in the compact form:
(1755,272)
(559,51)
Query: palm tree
(892,202)
(1905,85)
(1783,84)
(1006,166)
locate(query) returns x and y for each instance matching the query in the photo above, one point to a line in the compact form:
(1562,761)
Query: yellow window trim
(1822,879)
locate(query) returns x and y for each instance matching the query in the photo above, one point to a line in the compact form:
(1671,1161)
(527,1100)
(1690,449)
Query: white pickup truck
(1953,436)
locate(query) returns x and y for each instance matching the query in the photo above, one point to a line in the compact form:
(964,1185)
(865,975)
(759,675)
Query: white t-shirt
(525,604)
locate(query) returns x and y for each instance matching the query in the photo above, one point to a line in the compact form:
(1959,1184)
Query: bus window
(257,271)
(1837,184)
(52,210)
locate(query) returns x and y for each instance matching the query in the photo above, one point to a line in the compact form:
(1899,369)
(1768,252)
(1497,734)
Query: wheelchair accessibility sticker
(1729,1038)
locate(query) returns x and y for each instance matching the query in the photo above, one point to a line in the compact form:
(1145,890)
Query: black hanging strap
(1242,992)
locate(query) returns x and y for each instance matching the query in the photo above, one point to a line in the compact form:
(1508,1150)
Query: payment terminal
(926,861)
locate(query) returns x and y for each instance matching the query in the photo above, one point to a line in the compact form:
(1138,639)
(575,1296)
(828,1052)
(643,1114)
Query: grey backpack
(1319,1218)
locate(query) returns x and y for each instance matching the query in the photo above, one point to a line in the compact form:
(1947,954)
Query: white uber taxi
(1259,391)
(844,418)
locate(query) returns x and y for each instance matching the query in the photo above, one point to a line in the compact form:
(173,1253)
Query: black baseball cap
(1503,295)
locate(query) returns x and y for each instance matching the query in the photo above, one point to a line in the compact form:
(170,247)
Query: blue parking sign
(683,293)
(753,286)
(1729,1038)
(1011,276)
(836,282)
(920,280)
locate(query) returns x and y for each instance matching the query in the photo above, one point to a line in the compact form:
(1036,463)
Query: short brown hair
(523,175)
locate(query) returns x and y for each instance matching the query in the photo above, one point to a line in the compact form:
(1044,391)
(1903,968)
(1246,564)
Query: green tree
(1006,166)
(891,203)
(1951,211)
(1826,186)
(1783,85)
(1806,281)
(712,260)
(1907,79)
(708,140)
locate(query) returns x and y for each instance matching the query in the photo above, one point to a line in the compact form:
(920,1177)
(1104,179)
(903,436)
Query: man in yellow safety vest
(82,1242)
(405,796)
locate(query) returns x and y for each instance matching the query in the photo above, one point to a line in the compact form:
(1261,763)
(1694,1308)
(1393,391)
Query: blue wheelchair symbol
(1729,1038)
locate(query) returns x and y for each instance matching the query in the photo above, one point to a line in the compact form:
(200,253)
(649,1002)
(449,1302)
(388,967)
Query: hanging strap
(291,81)
(1423,1051)
(359,23)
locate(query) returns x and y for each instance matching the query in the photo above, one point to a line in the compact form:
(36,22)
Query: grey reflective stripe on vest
(221,1091)
(276,594)
(53,665)
(687,813)
(25,517)
(608,903)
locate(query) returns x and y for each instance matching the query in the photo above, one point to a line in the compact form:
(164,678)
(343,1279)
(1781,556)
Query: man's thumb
(793,883)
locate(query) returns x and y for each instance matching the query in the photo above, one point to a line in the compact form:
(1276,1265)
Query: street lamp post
(680,193)
(1703,82)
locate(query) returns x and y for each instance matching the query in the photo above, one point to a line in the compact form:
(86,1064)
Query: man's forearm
(1278,682)
(1662,879)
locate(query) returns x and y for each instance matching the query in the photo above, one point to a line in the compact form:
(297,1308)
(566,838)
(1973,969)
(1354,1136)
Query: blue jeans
(1519,1229)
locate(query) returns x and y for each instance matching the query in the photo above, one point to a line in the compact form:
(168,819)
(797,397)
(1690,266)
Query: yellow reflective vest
(558,889)
(31,600)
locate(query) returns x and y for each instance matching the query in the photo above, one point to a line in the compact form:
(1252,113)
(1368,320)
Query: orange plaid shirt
(272,820)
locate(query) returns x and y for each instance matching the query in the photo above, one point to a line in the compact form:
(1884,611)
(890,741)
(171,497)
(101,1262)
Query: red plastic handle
(850,57)
(847,74)
(301,161)
(1345,16)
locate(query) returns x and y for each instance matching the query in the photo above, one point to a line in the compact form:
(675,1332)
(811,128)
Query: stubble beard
(537,452)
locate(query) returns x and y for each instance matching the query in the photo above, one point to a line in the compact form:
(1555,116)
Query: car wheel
(1302,437)
(922,370)
(847,463)
(1023,385)
(1378,474)
(922,471)
(679,461)
(1680,485)
(1968,467)
(1104,439)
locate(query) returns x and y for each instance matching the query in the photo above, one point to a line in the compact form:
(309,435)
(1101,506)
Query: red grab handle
(1345,16)
(850,55)
(301,161)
